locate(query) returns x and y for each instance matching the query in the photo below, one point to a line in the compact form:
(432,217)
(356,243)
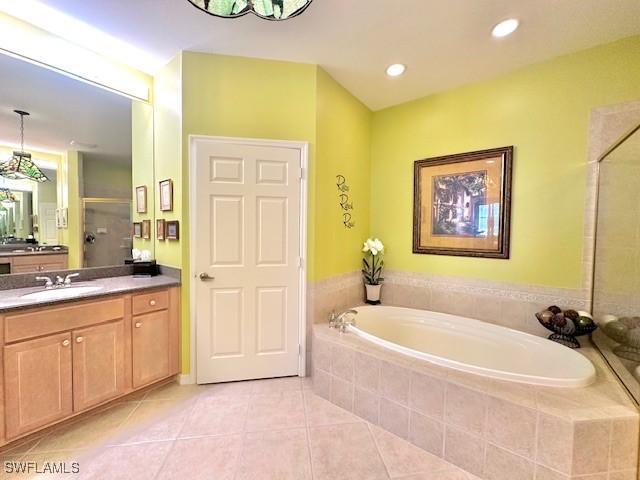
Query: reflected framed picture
(64,217)
(137,230)
(462,204)
(146,229)
(141,199)
(172,230)
(161,229)
(166,195)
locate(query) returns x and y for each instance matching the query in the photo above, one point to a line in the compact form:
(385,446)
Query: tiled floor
(267,429)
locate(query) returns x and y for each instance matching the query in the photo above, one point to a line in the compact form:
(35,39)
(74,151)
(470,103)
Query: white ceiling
(62,109)
(444,43)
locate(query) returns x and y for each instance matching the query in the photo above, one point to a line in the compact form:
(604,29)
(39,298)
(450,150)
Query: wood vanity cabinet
(38,263)
(62,360)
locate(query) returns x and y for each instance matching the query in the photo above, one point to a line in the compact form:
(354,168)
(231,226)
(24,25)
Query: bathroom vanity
(63,358)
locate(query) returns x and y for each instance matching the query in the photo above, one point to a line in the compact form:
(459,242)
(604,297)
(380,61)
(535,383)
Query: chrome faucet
(66,281)
(59,282)
(342,320)
(48,284)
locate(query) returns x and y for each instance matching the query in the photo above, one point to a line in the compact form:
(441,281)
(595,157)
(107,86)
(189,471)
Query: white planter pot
(373,294)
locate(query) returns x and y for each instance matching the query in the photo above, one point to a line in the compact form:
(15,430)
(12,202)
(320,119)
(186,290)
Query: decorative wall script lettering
(345,203)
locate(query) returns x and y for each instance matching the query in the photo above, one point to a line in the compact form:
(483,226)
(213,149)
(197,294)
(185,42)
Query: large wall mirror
(616,287)
(66,197)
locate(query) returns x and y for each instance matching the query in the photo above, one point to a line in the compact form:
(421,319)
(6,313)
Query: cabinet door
(37,375)
(25,268)
(53,263)
(151,348)
(98,364)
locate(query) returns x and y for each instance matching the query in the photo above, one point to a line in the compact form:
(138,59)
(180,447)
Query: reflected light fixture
(20,166)
(505,28)
(267,9)
(396,69)
(7,196)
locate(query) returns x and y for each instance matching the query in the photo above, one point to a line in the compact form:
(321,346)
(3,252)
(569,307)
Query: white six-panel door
(247,260)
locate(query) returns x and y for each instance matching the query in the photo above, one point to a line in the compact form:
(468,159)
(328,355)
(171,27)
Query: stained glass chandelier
(267,9)
(7,196)
(20,166)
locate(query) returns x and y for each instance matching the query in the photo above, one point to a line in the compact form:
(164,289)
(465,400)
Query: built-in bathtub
(485,398)
(473,346)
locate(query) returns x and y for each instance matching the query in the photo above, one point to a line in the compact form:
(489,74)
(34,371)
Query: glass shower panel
(616,282)
(107,232)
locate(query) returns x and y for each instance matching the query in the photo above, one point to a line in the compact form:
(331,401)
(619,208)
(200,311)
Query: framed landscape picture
(462,204)
(172,230)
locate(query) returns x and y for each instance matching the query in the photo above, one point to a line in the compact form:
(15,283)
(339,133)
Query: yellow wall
(240,97)
(167,153)
(544,111)
(69,196)
(343,147)
(142,169)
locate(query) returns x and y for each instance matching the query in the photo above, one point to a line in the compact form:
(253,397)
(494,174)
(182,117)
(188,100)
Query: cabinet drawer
(150,302)
(45,321)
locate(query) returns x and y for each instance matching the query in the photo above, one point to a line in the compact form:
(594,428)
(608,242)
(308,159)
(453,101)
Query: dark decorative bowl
(566,326)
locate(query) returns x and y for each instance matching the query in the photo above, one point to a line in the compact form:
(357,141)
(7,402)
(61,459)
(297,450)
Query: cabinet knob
(138,324)
(79,339)
(152,302)
(65,343)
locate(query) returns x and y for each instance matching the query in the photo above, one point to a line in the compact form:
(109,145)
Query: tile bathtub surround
(510,305)
(238,431)
(496,430)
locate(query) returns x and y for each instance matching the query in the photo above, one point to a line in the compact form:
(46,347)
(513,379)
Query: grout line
(375,443)
(307,432)
(243,439)
(164,460)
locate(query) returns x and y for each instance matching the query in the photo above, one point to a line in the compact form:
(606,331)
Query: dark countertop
(12,299)
(22,253)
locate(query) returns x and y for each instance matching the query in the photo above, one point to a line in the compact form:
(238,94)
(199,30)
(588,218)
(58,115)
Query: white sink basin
(61,293)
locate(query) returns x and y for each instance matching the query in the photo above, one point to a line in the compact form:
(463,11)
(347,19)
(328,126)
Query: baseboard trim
(186,379)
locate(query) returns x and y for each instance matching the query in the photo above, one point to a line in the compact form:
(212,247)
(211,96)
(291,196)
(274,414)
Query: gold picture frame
(166,195)
(161,227)
(137,230)
(146,229)
(462,204)
(141,199)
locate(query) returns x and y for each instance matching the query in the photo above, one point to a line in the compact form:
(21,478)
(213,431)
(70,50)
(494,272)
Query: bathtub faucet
(343,320)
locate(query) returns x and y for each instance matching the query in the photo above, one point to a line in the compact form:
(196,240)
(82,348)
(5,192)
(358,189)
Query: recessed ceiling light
(506,27)
(396,69)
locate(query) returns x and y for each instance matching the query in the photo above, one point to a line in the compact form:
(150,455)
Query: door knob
(79,339)
(138,324)
(205,277)
(152,302)
(66,343)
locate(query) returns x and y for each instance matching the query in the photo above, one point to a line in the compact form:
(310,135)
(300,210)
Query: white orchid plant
(372,262)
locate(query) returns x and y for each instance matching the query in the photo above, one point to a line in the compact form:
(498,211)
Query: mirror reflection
(616,288)
(66,151)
